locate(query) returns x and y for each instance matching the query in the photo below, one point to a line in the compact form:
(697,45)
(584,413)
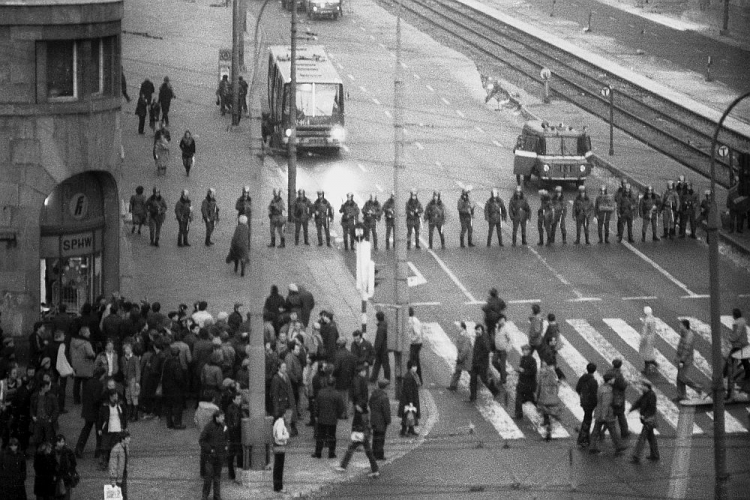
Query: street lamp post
(292,145)
(720,452)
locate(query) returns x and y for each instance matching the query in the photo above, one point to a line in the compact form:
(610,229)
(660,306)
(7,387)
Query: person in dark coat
(282,396)
(234,434)
(329,332)
(213,443)
(493,308)
(363,350)
(587,388)
(166,94)
(13,472)
(274,306)
(380,349)
(174,386)
(647,406)
(526,387)
(480,364)
(90,402)
(22,408)
(66,467)
(239,250)
(147,89)
(619,386)
(308,304)
(360,394)
(380,418)
(329,407)
(344,369)
(409,396)
(141,111)
(45,470)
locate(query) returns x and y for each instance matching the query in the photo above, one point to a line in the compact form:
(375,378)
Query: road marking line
(607,351)
(445,101)
(340,65)
(363,89)
(613,18)
(585,299)
(416,76)
(430,88)
(557,275)
(351,77)
(525,301)
(417,279)
(475,303)
(378,187)
(419,145)
(437,163)
(424,303)
(743,295)
(656,266)
(450,274)
(491,410)
(728,321)
(381,45)
(478,129)
(376,101)
(372,37)
(461,184)
(496,143)
(459,113)
(393,55)
(362,28)
(387,113)
(642,297)
(345,148)
(361,167)
(696,296)
(403,65)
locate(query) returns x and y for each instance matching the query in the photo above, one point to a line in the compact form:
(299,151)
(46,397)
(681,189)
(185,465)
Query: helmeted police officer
(583,209)
(670,207)
(183,210)
(349,217)
(520,214)
(277,216)
(648,209)
(434,214)
(301,211)
(544,216)
(210,214)
(371,214)
(495,214)
(323,218)
(413,217)
(688,204)
(560,209)
(604,206)
(626,210)
(244,203)
(466,214)
(389,210)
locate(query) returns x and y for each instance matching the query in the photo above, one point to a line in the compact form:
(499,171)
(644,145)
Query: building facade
(60,155)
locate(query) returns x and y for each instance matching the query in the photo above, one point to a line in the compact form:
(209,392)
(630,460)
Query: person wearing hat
(604,206)
(380,418)
(465,209)
(301,212)
(349,217)
(688,203)
(560,209)
(583,209)
(183,210)
(239,249)
(544,216)
(434,214)
(669,208)
(495,214)
(118,463)
(389,210)
(646,405)
(210,214)
(157,212)
(323,212)
(648,209)
(413,217)
(362,349)
(371,214)
(213,443)
(520,214)
(277,218)
(243,205)
(344,369)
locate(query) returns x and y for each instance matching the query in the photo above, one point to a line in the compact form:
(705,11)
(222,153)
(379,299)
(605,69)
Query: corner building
(60,155)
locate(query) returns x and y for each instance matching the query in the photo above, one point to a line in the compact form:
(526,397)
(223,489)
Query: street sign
(545,73)
(604,91)
(723,151)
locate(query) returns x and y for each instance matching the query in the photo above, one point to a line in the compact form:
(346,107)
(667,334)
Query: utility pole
(236,46)
(401,287)
(292,145)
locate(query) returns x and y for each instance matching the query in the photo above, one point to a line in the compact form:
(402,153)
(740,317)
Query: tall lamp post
(720,452)
(292,145)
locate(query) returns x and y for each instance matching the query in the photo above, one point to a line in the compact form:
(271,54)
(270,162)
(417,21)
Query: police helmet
(690,185)
(275,192)
(393,194)
(495,192)
(707,192)
(464,192)
(603,189)
(246,189)
(321,193)
(542,192)
(350,196)
(373,196)
(558,189)
(670,184)
(185,193)
(301,192)
(649,189)
(414,191)
(436,194)
(212,191)
(518,189)
(582,188)
(681,179)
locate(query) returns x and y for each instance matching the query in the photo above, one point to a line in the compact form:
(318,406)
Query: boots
(273,242)
(442,241)
(462,242)
(471,244)
(416,240)
(236,264)
(283,242)
(654,237)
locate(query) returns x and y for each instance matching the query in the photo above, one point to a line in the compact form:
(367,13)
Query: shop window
(76,68)
(61,69)
(71,281)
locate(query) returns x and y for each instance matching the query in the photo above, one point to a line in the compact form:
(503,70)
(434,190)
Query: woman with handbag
(66,475)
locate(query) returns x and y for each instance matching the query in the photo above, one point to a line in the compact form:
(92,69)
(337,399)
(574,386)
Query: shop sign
(78,206)
(76,244)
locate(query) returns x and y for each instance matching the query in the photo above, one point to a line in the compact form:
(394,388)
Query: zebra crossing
(592,336)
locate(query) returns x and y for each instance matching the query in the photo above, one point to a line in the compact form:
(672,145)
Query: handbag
(61,365)
(112,492)
(358,437)
(60,488)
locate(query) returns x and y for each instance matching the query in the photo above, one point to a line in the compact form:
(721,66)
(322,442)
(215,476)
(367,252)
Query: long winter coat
(464,348)
(344,368)
(240,248)
(13,475)
(173,379)
(409,394)
(648,339)
(45,467)
(547,399)
(380,410)
(282,397)
(82,357)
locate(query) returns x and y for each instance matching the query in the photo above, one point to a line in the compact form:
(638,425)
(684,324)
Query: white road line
(450,274)
(612,18)
(478,129)
(525,301)
(445,101)
(424,303)
(403,65)
(416,76)
(606,350)
(361,167)
(351,77)
(363,89)
(345,148)
(461,184)
(656,266)
(419,145)
(430,88)
(696,296)
(339,65)
(496,143)
(490,409)
(557,275)
(372,37)
(381,45)
(393,56)
(459,113)
(704,330)
(417,279)
(437,163)
(376,101)
(379,187)
(362,28)
(727,321)
(387,113)
(642,297)
(585,299)
(406,131)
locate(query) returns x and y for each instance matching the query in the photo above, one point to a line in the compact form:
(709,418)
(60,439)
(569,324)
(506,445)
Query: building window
(61,69)
(102,60)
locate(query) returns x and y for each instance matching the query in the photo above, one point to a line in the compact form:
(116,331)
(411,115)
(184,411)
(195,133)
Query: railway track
(667,127)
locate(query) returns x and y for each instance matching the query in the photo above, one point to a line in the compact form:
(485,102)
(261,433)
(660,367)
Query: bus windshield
(317,103)
(565,146)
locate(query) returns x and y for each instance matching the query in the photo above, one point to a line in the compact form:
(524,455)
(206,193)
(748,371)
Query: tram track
(669,128)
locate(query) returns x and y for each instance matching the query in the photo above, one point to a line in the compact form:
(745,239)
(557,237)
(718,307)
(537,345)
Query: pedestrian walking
(66,475)
(282,396)
(224,95)
(380,418)
(605,418)
(239,250)
(280,441)
(90,403)
(301,212)
(344,370)
(276,215)
(44,413)
(619,386)
(156,207)
(147,89)
(13,472)
(329,407)
(349,218)
(648,209)
(323,217)
(213,443)
(520,214)
(371,214)
(166,94)
(434,215)
(604,206)
(380,349)
(244,86)
(416,340)
(465,209)
(81,360)
(548,400)
(183,211)
(648,340)
(480,364)
(409,399)
(137,208)
(45,472)
(463,356)
(684,362)
(210,214)
(389,210)
(414,212)
(362,350)
(141,111)
(111,423)
(234,434)
(583,210)
(492,309)
(187,146)
(360,437)
(536,327)
(154,114)
(502,345)
(646,404)
(118,463)
(587,388)
(495,214)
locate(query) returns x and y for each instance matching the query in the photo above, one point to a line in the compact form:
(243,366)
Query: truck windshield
(317,103)
(565,146)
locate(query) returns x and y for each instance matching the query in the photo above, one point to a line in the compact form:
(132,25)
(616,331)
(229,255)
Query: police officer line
(498,413)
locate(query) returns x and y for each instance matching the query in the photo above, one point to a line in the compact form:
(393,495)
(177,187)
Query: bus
(553,153)
(319,100)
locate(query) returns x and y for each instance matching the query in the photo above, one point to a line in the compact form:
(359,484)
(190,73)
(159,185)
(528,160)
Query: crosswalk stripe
(490,409)
(673,338)
(727,321)
(666,408)
(704,330)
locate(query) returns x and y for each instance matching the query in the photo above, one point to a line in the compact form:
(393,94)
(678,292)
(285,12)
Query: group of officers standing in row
(679,206)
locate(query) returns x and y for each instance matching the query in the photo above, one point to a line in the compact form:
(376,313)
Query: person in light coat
(118,463)
(648,339)
(463,359)
(548,400)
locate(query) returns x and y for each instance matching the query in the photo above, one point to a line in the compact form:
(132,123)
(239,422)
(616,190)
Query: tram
(319,100)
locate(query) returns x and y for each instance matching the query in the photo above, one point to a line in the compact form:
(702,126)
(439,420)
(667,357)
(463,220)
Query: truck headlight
(582,168)
(338,133)
(288,132)
(545,168)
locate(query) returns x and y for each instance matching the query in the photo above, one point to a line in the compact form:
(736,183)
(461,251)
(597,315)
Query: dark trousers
(455,378)
(622,420)
(123,485)
(585,224)
(499,234)
(371,233)
(466,227)
(77,383)
(499,361)
(165,113)
(412,226)
(390,224)
(597,435)
(647,434)
(481,373)
(440,233)
(517,223)
(210,225)
(368,451)
(602,225)
(173,409)
(212,477)
(378,444)
(278,471)
(540,226)
(325,435)
(385,362)
(83,437)
(183,232)
(63,385)
(524,394)
(234,455)
(141,123)
(303,225)
(187,162)
(584,435)
(154,228)
(621,223)
(320,227)
(348,230)
(414,350)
